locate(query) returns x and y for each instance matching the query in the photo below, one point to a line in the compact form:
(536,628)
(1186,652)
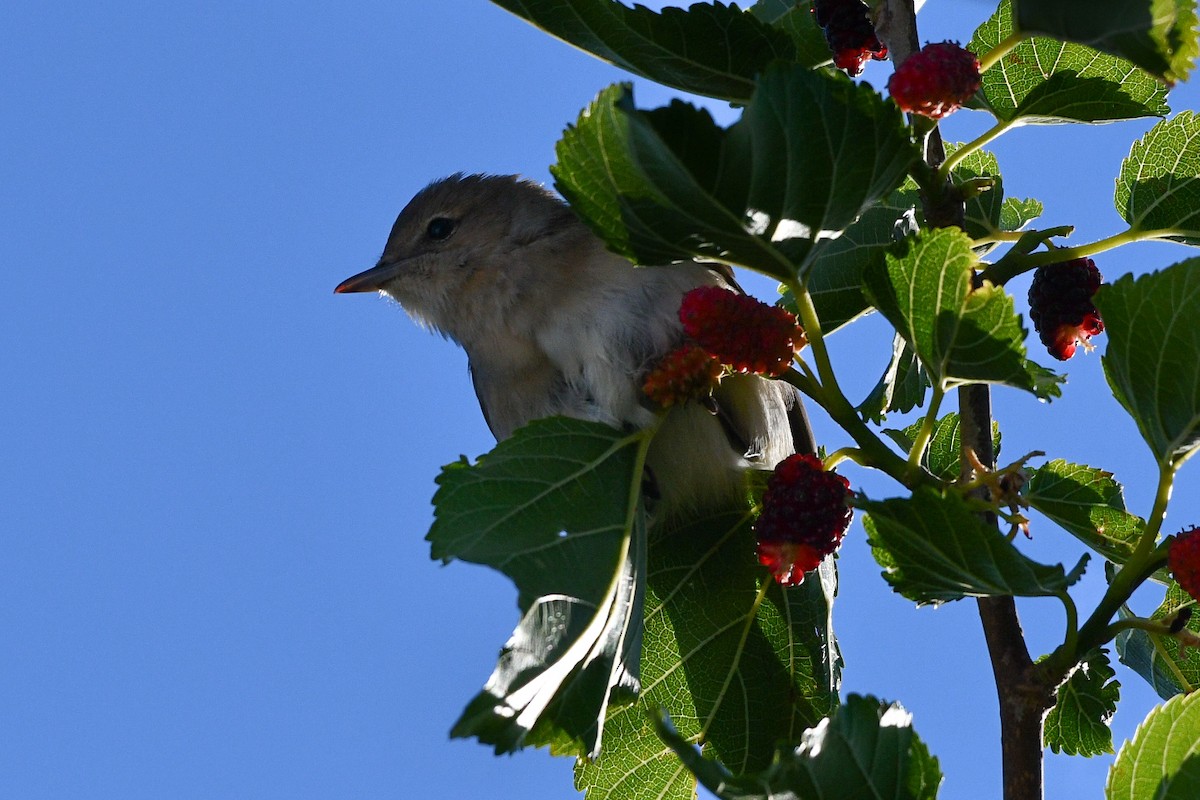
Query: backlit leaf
(1084,705)
(961,334)
(1167,667)
(1089,504)
(734,674)
(1157,35)
(1159,185)
(1162,760)
(1046,80)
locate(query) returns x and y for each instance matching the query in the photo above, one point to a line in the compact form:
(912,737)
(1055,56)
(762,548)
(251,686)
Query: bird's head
(454,252)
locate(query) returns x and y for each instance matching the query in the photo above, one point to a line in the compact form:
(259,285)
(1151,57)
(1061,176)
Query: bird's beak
(372,280)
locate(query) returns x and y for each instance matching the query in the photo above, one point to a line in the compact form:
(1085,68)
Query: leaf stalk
(1003,48)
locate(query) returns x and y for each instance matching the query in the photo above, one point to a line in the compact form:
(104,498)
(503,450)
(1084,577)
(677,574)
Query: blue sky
(217,474)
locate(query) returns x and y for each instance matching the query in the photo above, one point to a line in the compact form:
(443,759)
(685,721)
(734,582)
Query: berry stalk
(1002,48)
(1185,637)
(928,422)
(943,171)
(1014,264)
(828,394)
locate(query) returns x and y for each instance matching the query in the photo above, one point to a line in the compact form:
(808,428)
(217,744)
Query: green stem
(1158,513)
(991,57)
(804,377)
(927,426)
(829,396)
(846,454)
(996,237)
(637,475)
(1138,623)
(1071,640)
(1095,631)
(952,160)
(1014,264)
(816,337)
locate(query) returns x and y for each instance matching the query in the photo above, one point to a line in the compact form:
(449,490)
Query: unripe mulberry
(1183,558)
(805,513)
(936,80)
(849,33)
(1060,305)
(686,373)
(747,335)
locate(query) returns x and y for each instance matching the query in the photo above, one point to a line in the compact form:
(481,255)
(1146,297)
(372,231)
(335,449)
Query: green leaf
(1089,504)
(1185,782)
(735,673)
(961,335)
(901,387)
(1157,35)
(795,18)
(1162,760)
(711,49)
(1084,705)
(622,178)
(1043,80)
(1159,185)
(1167,667)
(1016,213)
(552,498)
(990,212)
(924,772)
(835,278)
(866,750)
(810,154)
(938,549)
(1153,356)
(943,455)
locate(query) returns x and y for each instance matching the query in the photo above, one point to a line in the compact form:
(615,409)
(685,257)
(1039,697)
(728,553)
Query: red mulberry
(1183,557)
(686,373)
(746,334)
(936,80)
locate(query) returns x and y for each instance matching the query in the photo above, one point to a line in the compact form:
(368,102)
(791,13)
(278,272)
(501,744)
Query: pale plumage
(555,324)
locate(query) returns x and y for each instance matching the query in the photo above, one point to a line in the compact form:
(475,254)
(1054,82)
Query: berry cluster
(1060,305)
(805,513)
(936,80)
(686,373)
(849,33)
(746,334)
(1183,558)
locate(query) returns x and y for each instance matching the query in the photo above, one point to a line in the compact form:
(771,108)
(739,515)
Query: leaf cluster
(658,652)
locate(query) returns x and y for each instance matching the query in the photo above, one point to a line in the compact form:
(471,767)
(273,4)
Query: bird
(555,324)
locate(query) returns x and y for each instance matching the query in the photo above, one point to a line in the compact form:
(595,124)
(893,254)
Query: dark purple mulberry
(1060,305)
(805,513)
(849,33)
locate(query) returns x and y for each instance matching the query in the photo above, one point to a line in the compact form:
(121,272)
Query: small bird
(553,323)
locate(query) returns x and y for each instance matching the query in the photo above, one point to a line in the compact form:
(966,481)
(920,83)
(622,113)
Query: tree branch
(1023,698)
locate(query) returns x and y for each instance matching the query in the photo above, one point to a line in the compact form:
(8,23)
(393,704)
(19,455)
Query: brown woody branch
(1023,696)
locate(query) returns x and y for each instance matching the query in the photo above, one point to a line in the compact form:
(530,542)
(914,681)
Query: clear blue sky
(217,474)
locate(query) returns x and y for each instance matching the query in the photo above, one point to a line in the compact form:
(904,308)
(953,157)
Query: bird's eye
(439,228)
